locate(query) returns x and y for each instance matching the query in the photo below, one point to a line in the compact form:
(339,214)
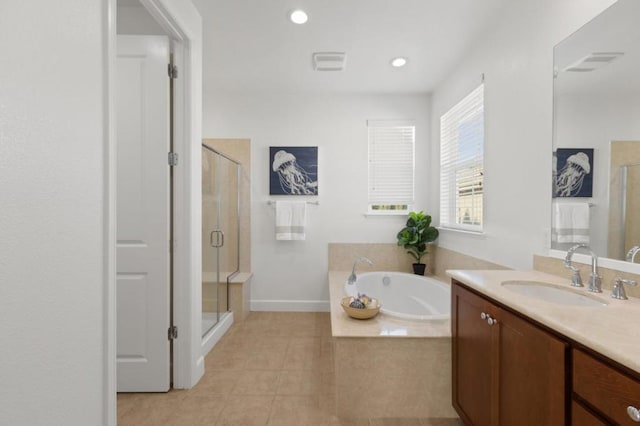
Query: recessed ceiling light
(298,16)
(398,62)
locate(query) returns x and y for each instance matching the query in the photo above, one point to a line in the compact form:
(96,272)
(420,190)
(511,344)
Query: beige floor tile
(256,382)
(298,411)
(442,422)
(395,422)
(266,360)
(197,410)
(217,382)
(151,408)
(226,360)
(299,382)
(246,411)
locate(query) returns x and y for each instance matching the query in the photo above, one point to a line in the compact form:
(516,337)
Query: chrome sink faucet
(631,255)
(595,285)
(352,278)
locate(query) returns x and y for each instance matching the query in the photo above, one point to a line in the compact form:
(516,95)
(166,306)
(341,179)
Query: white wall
(593,121)
(293,270)
(52,224)
(516,58)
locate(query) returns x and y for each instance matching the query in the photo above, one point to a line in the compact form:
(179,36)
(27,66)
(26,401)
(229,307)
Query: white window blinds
(391,165)
(461,163)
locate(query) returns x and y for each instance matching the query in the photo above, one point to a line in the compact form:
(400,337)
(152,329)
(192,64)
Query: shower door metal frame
(624,170)
(237,270)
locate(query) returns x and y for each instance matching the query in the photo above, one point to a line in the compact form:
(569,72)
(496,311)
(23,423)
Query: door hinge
(173,332)
(173,159)
(173,71)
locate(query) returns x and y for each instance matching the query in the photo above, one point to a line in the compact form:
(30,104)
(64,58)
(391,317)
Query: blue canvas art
(293,170)
(573,172)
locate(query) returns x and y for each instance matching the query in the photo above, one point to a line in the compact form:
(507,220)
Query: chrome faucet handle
(618,288)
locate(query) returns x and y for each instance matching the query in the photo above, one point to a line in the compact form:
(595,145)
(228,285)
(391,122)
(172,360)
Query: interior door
(143,215)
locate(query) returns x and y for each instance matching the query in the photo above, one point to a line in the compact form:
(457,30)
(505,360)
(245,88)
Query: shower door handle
(219,242)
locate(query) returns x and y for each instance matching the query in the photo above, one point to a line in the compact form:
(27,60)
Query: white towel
(291,217)
(570,222)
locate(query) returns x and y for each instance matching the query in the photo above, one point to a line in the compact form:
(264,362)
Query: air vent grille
(593,61)
(329,61)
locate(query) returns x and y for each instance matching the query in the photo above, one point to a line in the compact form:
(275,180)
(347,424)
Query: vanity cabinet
(506,370)
(608,392)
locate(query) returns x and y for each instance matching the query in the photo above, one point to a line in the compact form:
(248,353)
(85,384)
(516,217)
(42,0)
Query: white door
(142,258)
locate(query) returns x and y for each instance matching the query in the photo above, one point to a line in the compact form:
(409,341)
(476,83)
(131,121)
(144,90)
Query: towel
(291,217)
(570,223)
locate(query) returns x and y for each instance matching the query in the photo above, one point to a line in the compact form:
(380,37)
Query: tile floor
(275,369)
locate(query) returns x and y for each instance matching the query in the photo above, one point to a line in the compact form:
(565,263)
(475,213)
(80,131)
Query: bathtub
(406,296)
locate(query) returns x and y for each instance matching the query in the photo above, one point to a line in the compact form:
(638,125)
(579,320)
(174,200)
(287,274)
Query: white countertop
(381,325)
(612,330)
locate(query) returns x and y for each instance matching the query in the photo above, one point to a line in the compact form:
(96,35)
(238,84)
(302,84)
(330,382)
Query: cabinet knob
(484,316)
(633,413)
(492,321)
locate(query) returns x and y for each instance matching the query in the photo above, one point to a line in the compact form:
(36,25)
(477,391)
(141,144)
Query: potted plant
(415,236)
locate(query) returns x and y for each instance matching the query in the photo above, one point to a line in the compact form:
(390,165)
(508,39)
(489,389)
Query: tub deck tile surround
(390,367)
(273,369)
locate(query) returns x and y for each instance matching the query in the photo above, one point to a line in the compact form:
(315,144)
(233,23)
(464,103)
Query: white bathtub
(405,296)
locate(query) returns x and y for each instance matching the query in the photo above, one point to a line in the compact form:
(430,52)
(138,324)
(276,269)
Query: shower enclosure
(220,233)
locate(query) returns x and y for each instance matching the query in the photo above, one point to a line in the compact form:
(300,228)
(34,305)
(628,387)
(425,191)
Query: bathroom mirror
(596,135)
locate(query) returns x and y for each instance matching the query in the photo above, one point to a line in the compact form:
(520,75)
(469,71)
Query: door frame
(183,24)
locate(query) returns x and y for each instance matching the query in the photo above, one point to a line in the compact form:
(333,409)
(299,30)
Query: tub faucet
(595,285)
(631,255)
(352,278)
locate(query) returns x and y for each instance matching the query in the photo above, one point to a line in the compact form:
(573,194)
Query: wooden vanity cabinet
(606,390)
(506,370)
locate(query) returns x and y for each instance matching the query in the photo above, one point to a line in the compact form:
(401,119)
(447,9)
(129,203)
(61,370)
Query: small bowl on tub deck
(360,313)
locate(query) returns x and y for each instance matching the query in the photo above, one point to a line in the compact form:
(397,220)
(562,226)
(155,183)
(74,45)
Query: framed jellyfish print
(293,170)
(573,172)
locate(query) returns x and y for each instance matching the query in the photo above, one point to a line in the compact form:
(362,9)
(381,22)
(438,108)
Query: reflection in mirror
(597,106)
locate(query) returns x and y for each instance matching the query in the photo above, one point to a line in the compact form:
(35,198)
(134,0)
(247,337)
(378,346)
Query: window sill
(480,234)
(389,213)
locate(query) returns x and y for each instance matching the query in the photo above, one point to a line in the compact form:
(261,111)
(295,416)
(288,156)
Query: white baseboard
(290,305)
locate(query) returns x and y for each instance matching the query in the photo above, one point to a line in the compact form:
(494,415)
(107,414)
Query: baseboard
(291,305)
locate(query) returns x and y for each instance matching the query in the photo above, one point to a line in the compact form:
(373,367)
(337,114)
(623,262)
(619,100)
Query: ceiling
(250,45)
(614,30)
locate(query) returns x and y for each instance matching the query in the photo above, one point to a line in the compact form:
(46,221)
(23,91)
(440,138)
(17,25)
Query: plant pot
(418,268)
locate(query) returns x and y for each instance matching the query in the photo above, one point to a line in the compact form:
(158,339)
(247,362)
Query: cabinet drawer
(581,417)
(605,388)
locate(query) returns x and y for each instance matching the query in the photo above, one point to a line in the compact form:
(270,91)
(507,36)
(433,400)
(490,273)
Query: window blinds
(391,165)
(461,163)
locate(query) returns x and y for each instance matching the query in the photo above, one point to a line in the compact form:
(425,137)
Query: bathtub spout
(352,278)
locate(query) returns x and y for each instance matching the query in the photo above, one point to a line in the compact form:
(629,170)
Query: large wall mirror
(596,136)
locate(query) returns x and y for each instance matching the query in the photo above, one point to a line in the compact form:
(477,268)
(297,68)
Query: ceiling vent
(329,61)
(593,61)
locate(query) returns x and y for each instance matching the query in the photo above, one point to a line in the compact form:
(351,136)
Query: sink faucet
(352,278)
(595,285)
(631,255)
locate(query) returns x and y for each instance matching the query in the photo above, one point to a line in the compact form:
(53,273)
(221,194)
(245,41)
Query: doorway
(180,22)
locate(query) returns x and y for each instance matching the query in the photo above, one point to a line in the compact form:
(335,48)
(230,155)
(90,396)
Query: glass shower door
(220,233)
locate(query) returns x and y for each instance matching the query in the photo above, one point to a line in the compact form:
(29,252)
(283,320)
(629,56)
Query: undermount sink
(552,293)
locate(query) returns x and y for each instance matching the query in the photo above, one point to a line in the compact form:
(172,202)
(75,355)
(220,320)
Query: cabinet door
(531,373)
(471,351)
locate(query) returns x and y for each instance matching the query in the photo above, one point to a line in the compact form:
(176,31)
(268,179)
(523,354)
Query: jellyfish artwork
(293,178)
(569,180)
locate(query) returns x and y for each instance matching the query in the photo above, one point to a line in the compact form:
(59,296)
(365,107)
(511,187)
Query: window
(461,163)
(391,149)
